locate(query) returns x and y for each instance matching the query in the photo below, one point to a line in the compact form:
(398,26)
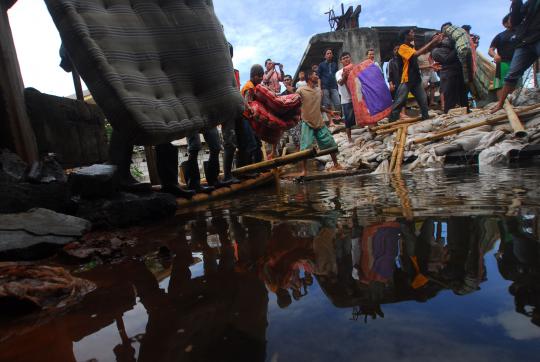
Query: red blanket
(279,105)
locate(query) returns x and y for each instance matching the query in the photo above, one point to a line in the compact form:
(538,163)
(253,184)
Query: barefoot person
(313,127)
(525,19)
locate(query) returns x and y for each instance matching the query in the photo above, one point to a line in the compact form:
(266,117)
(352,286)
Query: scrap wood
(525,112)
(284,160)
(395,124)
(517,126)
(401,149)
(395,150)
(262,179)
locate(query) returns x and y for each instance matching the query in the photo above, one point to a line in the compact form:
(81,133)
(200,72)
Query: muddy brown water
(441,265)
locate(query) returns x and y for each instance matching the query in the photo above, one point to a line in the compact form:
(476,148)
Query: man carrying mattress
(313,127)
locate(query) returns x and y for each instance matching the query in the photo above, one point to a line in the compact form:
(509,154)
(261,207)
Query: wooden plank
(17,132)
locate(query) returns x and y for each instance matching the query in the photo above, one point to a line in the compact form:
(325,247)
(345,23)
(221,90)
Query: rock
(26,287)
(45,222)
(47,170)
(12,168)
(20,197)
(37,234)
(126,209)
(94,181)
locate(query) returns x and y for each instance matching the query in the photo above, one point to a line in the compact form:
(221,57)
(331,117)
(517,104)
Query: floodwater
(439,266)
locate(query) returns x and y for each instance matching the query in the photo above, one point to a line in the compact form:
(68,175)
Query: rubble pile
(490,143)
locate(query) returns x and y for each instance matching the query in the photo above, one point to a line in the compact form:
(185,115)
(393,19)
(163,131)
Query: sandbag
(159,69)
(279,105)
(371,97)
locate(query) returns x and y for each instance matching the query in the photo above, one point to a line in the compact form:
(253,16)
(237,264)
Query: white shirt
(342,89)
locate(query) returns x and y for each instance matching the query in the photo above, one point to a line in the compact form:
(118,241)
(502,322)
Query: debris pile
(487,138)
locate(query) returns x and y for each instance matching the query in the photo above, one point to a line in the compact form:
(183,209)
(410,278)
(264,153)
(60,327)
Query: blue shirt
(327,74)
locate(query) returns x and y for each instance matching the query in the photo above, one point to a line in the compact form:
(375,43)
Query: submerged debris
(30,286)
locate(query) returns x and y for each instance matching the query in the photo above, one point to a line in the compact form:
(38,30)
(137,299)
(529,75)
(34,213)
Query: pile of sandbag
(273,114)
(492,143)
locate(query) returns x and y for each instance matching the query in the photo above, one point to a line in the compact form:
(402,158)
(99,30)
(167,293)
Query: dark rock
(12,168)
(20,197)
(47,170)
(45,222)
(126,209)
(38,233)
(94,181)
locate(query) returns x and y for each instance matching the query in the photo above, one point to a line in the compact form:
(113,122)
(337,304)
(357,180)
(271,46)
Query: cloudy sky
(280,30)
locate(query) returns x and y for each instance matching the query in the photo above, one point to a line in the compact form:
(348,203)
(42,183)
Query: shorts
(348,115)
(331,98)
(500,74)
(322,135)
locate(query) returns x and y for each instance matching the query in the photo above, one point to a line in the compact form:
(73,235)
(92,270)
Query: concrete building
(357,41)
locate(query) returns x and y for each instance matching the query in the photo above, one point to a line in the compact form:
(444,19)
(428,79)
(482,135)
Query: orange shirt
(248,92)
(406,52)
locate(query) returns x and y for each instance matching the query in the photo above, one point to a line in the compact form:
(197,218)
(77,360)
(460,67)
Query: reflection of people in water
(287,255)
(518,259)
(469,239)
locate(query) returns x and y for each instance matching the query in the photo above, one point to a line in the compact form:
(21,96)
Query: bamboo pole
(526,112)
(401,150)
(395,124)
(517,126)
(395,151)
(280,161)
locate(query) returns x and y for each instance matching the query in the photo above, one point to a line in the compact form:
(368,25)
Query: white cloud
(516,326)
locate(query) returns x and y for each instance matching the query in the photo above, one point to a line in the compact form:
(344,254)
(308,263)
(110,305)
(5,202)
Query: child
(301,79)
(313,127)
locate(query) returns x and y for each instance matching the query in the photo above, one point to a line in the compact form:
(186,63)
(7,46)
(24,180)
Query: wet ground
(443,265)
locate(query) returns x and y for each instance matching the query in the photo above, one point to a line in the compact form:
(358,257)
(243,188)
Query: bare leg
(349,135)
(507,89)
(337,166)
(304,168)
(402,114)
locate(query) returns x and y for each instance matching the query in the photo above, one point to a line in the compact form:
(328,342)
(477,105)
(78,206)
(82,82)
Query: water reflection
(239,284)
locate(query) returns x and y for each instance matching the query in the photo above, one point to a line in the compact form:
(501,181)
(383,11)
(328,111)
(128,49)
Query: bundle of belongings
(371,97)
(273,114)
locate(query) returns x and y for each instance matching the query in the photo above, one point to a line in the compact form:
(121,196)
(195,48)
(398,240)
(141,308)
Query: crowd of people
(447,61)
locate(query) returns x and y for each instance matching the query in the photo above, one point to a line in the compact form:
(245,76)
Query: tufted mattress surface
(159,69)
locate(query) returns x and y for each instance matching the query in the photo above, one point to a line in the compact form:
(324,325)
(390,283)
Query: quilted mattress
(159,69)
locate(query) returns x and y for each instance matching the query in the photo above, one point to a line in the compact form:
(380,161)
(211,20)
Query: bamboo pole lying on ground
(395,124)
(395,151)
(280,161)
(526,112)
(401,149)
(517,126)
